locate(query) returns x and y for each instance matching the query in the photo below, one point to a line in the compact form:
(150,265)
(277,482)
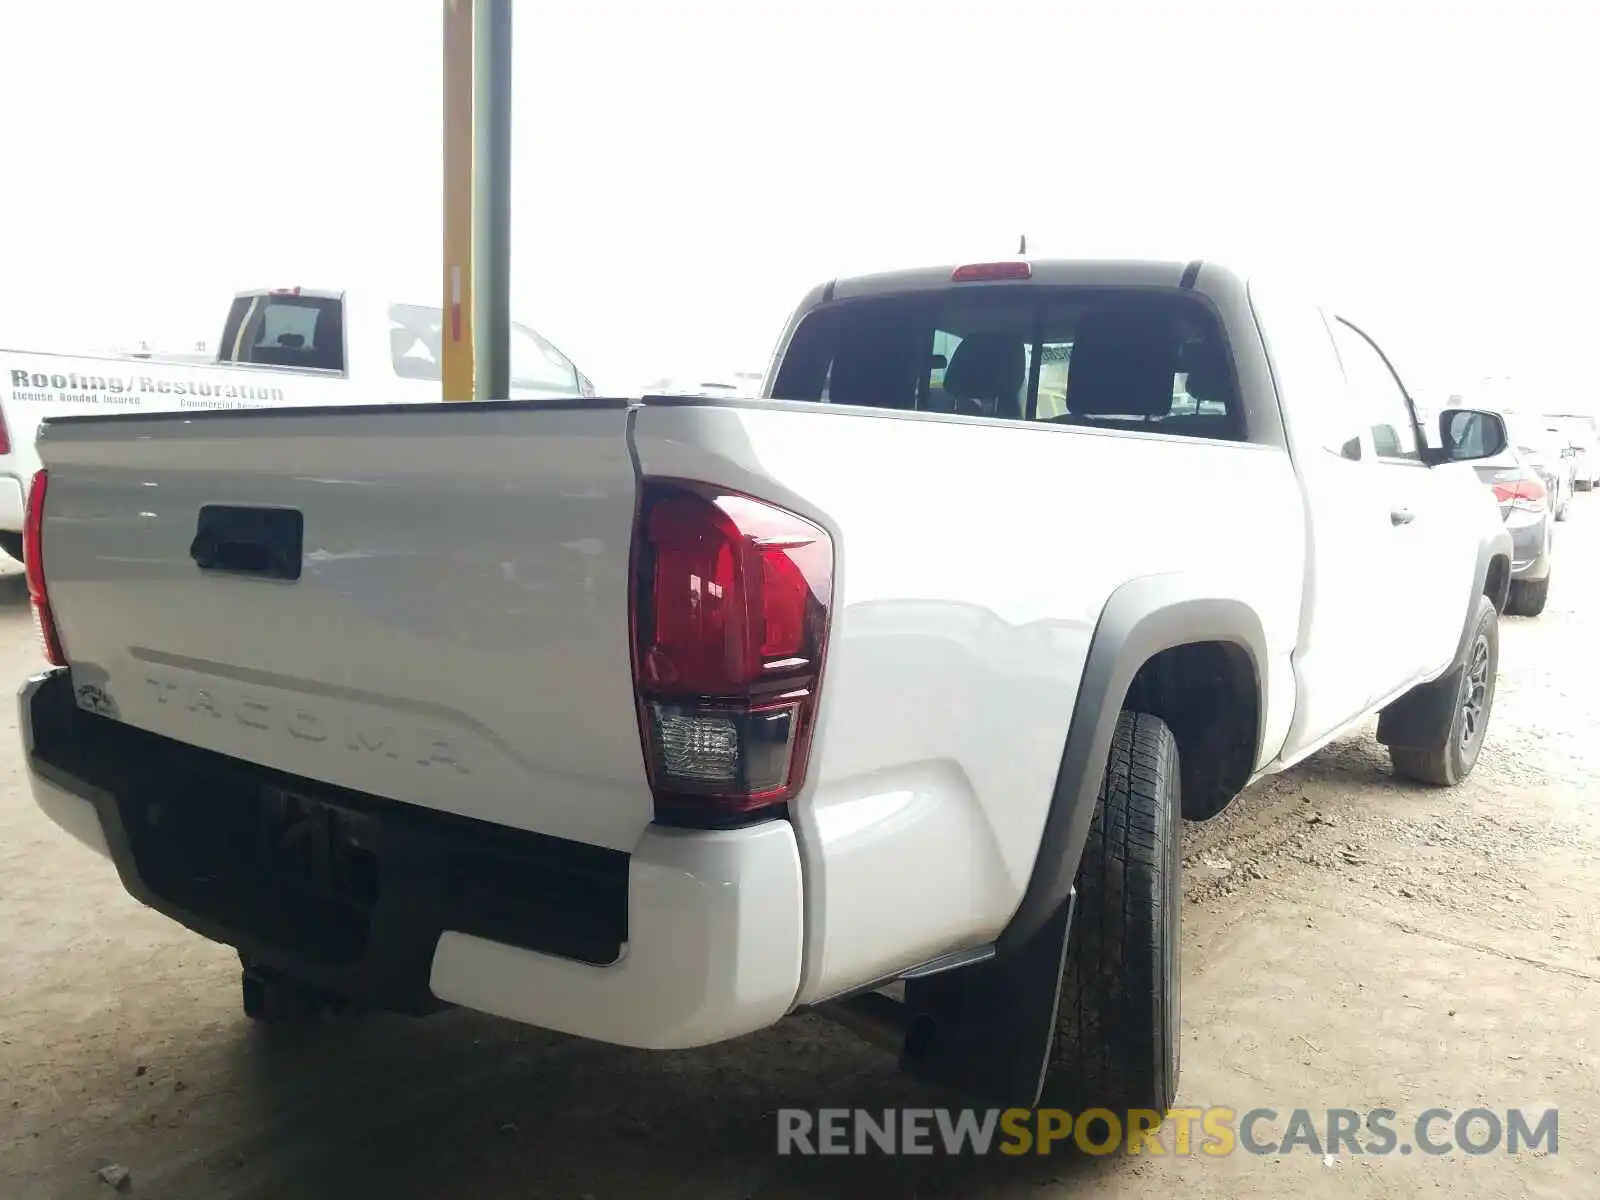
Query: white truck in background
(655,721)
(280,347)
(1583,434)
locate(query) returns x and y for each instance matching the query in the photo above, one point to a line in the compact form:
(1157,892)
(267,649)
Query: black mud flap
(992,1025)
(1423,716)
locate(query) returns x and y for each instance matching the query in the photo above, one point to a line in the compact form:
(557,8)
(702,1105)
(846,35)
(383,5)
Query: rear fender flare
(1142,618)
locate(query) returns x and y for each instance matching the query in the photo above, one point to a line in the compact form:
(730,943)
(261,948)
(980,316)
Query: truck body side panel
(974,560)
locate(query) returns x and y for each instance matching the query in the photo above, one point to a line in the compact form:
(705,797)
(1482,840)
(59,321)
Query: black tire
(1527,597)
(1451,760)
(1118,1022)
(11,543)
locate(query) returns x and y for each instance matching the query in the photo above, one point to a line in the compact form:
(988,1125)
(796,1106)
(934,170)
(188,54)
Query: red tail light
(976,272)
(33,564)
(5,435)
(731,605)
(1524,492)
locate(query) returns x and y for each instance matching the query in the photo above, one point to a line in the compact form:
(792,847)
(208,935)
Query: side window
(1378,393)
(415,350)
(414,335)
(538,365)
(944,349)
(1306,369)
(1054,360)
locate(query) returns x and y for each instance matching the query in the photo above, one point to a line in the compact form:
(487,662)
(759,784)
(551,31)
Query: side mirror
(1467,434)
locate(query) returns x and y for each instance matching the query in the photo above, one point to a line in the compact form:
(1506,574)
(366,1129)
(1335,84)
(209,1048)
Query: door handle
(1401,516)
(264,542)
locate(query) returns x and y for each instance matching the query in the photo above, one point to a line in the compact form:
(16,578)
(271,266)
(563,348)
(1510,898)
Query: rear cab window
(300,331)
(1151,361)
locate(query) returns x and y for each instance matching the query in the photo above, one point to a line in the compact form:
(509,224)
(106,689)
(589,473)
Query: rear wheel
(1527,597)
(1451,759)
(1118,1020)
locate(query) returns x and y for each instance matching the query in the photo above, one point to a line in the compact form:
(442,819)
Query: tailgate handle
(261,542)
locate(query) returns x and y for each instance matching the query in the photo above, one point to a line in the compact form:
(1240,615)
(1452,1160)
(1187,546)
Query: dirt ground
(1349,942)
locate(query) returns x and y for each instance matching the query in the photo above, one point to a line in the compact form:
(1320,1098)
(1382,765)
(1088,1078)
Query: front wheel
(1118,1021)
(1450,760)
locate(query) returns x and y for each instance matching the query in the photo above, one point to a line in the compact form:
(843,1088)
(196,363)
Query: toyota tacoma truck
(879,695)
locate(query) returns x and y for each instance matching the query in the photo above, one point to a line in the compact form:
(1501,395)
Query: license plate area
(321,852)
(346,889)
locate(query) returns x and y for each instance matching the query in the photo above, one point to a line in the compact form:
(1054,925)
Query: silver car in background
(1526,505)
(1547,450)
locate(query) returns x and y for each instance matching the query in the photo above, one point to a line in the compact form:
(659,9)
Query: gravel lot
(1350,942)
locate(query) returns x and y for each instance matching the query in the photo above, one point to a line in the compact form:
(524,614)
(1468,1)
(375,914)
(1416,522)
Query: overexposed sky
(684,172)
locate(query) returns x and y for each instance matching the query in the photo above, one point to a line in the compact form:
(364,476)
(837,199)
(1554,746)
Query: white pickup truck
(655,721)
(280,347)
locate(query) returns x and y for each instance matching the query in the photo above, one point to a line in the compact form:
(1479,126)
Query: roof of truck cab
(1045,272)
(291,290)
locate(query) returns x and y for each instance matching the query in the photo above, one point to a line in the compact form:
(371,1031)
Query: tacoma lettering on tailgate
(295,719)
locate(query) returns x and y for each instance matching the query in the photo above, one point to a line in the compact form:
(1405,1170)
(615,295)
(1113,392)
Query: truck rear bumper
(13,504)
(693,938)
(1530,556)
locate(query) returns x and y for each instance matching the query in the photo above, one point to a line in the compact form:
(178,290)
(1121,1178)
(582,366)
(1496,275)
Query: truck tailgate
(457,636)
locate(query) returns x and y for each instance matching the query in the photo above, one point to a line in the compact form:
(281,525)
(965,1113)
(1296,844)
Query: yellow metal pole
(457,372)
